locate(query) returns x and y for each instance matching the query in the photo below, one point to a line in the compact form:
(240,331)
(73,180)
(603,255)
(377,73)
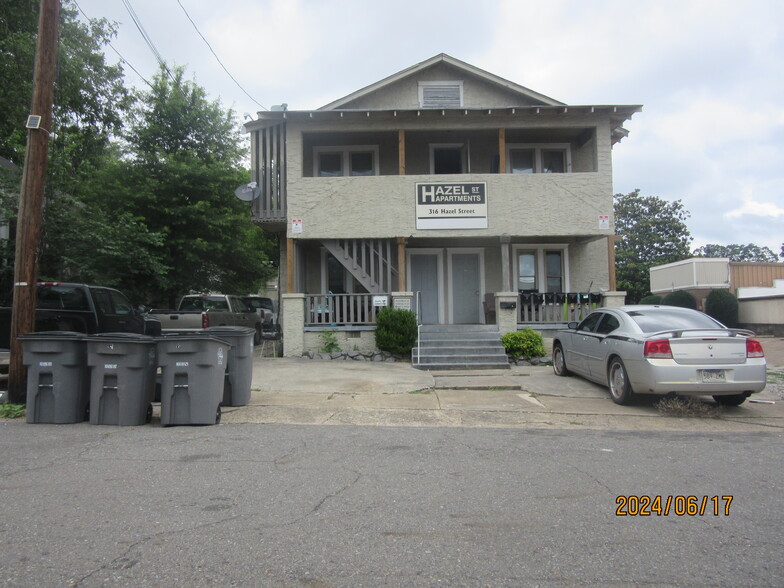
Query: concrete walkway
(300,391)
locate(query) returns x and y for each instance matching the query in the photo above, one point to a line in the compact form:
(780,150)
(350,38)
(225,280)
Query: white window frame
(541,269)
(422,85)
(537,149)
(464,155)
(345,151)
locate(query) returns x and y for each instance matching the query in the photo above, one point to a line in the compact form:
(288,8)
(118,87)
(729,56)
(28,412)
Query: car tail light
(754,348)
(205,320)
(659,349)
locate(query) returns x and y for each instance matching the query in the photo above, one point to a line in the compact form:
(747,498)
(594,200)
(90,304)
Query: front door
(425,272)
(466,288)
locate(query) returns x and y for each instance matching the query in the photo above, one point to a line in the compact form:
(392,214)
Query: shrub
(396,330)
(329,343)
(526,344)
(723,306)
(680,298)
(651,299)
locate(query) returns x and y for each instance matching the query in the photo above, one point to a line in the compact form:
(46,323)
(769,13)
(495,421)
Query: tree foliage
(184,163)
(139,193)
(736,252)
(651,232)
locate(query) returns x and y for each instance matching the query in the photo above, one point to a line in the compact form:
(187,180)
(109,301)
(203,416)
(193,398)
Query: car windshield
(663,319)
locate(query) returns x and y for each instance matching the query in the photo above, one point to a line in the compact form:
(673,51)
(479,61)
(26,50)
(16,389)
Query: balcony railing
(339,310)
(556,307)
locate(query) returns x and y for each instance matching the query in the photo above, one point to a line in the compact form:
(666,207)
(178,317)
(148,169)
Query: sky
(709,74)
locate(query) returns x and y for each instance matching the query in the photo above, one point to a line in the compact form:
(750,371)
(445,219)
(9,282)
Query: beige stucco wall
(589,268)
(384,206)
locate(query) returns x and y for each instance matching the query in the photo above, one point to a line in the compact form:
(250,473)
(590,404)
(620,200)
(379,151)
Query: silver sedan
(661,350)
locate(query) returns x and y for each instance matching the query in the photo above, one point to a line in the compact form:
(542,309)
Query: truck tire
(257,335)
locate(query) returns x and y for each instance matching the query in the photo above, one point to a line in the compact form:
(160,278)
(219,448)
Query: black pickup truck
(62,306)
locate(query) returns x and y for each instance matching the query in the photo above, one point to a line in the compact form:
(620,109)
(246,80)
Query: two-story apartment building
(446,185)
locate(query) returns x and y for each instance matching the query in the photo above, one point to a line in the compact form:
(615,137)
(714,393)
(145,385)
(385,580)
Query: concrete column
(293,312)
(613,298)
(506,318)
(404,300)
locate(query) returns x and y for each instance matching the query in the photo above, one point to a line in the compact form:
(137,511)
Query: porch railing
(339,310)
(556,307)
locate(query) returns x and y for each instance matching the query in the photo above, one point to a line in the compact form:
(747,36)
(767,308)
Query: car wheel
(257,335)
(618,381)
(559,361)
(731,399)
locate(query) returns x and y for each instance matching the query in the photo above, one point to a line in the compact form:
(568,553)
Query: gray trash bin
(122,381)
(58,380)
(239,367)
(192,372)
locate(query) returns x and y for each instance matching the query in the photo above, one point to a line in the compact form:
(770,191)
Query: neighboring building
(442,184)
(759,287)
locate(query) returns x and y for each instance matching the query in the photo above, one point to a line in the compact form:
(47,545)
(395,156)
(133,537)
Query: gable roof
(456,63)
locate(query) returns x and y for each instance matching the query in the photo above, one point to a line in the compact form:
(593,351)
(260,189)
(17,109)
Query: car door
(576,353)
(116,312)
(598,346)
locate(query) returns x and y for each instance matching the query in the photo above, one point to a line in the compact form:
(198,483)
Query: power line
(122,59)
(216,56)
(148,40)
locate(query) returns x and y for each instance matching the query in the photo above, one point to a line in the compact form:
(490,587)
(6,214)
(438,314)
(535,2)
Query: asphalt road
(315,506)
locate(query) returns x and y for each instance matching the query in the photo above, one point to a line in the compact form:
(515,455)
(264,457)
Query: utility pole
(31,195)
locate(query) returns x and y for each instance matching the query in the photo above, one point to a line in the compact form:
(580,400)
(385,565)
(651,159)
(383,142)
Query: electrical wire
(148,40)
(122,59)
(216,56)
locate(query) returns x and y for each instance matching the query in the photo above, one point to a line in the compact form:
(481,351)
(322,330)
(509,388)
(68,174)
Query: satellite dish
(247,192)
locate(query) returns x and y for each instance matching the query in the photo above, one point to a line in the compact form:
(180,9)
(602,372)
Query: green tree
(651,232)
(90,101)
(736,252)
(184,163)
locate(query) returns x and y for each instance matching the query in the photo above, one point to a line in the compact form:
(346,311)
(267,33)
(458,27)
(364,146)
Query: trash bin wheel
(218,416)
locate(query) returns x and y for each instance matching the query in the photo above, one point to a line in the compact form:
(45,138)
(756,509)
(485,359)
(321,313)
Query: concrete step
(439,343)
(472,365)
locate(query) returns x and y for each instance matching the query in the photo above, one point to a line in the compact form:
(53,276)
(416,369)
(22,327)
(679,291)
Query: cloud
(751,207)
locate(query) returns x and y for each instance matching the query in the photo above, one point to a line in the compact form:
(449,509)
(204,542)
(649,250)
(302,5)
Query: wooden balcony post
(290,265)
(501,151)
(611,260)
(401,152)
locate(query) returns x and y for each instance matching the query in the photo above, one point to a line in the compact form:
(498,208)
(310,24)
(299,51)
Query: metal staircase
(459,347)
(368,260)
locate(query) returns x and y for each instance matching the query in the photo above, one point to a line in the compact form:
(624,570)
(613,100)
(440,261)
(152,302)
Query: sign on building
(451,206)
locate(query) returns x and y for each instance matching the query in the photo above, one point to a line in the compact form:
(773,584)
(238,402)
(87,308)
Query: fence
(335,310)
(556,307)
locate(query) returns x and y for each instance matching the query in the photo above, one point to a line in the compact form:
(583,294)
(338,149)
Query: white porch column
(506,282)
(613,298)
(293,318)
(506,318)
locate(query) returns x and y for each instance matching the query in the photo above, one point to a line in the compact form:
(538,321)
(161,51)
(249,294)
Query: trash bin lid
(44,335)
(191,336)
(230,330)
(122,337)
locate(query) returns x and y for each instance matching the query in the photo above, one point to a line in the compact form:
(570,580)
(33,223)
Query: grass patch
(420,392)
(11,411)
(687,406)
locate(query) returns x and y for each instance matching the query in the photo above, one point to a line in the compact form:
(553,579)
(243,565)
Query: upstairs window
(350,160)
(550,158)
(444,94)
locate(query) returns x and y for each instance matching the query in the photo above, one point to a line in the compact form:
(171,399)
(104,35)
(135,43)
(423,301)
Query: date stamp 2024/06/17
(678,505)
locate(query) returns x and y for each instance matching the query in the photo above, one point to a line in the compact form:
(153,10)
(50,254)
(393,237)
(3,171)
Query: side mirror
(573,325)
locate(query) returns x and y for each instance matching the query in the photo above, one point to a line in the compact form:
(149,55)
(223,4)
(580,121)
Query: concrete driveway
(302,391)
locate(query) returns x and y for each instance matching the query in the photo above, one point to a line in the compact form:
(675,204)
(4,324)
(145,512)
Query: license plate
(712,376)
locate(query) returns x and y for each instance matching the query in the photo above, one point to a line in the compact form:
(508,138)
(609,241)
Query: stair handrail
(419,326)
